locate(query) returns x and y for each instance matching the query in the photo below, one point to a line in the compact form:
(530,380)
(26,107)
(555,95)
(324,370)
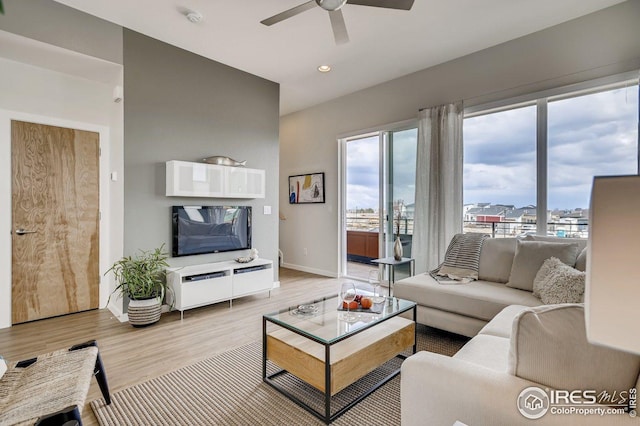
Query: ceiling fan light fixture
(324,68)
(331,5)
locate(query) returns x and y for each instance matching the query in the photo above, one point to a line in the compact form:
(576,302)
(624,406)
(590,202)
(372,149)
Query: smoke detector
(194,16)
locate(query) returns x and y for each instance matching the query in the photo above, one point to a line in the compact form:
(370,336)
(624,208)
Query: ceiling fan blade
(289,13)
(388,4)
(339,27)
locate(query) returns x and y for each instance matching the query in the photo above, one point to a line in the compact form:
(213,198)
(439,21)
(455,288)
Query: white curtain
(438,209)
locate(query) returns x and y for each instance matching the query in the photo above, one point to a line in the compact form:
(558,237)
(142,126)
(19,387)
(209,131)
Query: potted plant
(142,279)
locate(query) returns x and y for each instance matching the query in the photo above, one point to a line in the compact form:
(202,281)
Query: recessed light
(324,68)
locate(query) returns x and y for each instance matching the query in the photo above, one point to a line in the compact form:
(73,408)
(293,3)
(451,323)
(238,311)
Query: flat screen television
(210,229)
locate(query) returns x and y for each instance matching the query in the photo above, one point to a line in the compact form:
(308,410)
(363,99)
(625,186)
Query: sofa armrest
(438,390)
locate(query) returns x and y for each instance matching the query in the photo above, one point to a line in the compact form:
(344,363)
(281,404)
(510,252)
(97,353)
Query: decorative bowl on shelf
(246,259)
(305,310)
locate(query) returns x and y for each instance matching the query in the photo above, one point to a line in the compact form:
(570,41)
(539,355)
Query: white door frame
(6,248)
(384,170)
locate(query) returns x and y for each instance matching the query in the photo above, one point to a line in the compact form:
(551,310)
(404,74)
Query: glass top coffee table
(312,344)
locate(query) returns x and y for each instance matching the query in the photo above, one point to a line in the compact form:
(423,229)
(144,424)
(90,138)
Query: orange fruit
(366,303)
(352,305)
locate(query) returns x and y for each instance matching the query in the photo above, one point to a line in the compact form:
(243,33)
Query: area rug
(228,390)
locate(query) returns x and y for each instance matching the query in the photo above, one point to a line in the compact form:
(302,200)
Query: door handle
(21,231)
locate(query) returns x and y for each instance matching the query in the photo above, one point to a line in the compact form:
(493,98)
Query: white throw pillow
(548,266)
(529,257)
(557,282)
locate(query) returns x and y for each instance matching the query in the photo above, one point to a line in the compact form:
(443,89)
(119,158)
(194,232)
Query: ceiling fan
(335,14)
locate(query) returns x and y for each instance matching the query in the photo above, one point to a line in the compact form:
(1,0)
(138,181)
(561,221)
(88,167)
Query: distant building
(505,220)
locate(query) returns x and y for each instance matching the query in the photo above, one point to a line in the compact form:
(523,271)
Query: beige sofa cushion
(549,346)
(581,260)
(502,324)
(496,258)
(486,350)
(581,242)
(478,299)
(529,257)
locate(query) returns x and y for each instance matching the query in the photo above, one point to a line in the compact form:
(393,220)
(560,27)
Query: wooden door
(55,215)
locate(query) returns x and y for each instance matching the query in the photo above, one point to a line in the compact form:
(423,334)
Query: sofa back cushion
(529,257)
(496,259)
(582,242)
(549,346)
(581,260)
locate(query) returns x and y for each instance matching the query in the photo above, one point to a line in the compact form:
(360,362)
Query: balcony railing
(362,233)
(371,223)
(522,229)
(366,223)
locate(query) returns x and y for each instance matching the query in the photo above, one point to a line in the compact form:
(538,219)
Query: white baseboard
(276,284)
(117,312)
(310,270)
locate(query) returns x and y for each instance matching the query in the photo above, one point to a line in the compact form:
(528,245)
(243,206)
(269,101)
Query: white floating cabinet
(188,179)
(241,182)
(208,283)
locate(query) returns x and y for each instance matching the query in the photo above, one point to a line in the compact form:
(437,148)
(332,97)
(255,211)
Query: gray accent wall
(604,43)
(63,26)
(181,106)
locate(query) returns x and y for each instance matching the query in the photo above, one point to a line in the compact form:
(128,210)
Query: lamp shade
(612,294)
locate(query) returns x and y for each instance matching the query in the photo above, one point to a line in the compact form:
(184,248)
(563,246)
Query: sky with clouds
(588,136)
(363,170)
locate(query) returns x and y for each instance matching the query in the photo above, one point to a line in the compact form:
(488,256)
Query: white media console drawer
(251,279)
(198,291)
(208,283)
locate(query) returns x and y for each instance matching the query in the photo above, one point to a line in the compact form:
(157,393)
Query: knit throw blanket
(462,259)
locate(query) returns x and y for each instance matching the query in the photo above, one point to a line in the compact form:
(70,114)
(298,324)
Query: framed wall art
(305,189)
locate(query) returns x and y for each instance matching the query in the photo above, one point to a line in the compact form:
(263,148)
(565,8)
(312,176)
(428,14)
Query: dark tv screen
(210,229)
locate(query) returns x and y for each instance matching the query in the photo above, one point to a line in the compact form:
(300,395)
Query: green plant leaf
(142,276)
(1,8)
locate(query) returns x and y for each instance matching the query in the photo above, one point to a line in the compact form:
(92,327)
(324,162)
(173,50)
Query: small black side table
(391,262)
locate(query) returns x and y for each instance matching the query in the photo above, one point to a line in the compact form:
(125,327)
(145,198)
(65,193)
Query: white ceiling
(385,44)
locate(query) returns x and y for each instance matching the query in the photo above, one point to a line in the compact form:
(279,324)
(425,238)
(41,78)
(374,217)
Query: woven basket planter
(144,312)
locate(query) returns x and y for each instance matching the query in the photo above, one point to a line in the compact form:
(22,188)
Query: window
(500,158)
(514,173)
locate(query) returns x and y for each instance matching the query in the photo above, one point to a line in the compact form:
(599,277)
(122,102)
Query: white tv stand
(208,283)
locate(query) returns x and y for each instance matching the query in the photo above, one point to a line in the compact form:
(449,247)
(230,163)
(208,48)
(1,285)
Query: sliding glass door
(378,189)
(401,188)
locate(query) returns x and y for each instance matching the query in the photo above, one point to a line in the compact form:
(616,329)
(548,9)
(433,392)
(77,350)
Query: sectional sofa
(522,353)
(505,278)
(523,350)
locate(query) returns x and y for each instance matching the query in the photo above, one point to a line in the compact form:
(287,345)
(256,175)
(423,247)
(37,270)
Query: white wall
(37,94)
(596,45)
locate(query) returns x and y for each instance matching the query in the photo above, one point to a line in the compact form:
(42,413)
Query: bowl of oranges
(360,302)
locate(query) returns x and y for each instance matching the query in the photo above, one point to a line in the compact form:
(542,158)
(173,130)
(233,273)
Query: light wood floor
(132,355)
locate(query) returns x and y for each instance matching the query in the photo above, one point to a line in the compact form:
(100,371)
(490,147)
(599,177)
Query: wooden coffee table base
(334,367)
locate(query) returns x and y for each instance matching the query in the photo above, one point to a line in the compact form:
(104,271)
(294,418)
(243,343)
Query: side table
(391,262)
